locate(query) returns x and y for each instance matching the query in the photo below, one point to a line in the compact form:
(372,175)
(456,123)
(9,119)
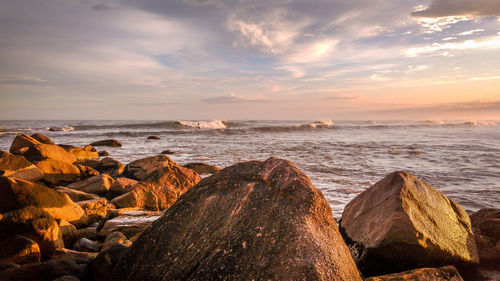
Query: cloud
(103,7)
(231,98)
(470,32)
(22,81)
(488,43)
(445,8)
(271,31)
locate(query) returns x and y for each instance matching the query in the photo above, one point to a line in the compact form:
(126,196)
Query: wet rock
(46,271)
(110,142)
(81,153)
(153,138)
(19,249)
(40,152)
(254,220)
(42,138)
(100,269)
(17,166)
(486,228)
(57,172)
(113,213)
(168,152)
(63,254)
(96,185)
(106,166)
(67,278)
(96,209)
(446,273)
(161,188)
(86,172)
(202,168)
(68,232)
(7,265)
(115,238)
(86,245)
(77,195)
(103,153)
(487,222)
(17,194)
(21,143)
(139,169)
(403,223)
(33,223)
(90,233)
(120,186)
(130,223)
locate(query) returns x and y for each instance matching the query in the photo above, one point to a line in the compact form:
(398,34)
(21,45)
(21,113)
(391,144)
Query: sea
(342,158)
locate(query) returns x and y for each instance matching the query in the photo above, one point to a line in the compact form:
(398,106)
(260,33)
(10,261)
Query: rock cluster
(65,214)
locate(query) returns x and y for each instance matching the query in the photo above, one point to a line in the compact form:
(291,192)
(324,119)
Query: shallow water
(461,159)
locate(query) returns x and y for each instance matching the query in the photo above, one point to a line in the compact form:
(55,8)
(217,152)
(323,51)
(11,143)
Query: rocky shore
(71,213)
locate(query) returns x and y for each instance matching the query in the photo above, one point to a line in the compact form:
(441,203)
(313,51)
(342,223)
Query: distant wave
(64,129)
(433,122)
(480,123)
(14,131)
(216,124)
(321,124)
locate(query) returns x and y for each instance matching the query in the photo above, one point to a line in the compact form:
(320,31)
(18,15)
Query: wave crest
(321,124)
(480,123)
(64,128)
(215,124)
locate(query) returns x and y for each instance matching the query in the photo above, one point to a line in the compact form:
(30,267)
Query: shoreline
(103,206)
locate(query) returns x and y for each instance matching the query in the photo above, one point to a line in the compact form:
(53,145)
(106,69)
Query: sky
(239,59)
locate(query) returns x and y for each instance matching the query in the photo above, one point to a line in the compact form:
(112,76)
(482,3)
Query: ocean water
(342,158)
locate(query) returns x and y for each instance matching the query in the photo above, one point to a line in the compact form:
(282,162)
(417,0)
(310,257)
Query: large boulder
(81,153)
(486,228)
(110,142)
(120,186)
(33,223)
(40,152)
(97,185)
(42,138)
(19,249)
(160,189)
(403,223)
(17,194)
(251,221)
(21,143)
(57,172)
(446,273)
(18,167)
(140,169)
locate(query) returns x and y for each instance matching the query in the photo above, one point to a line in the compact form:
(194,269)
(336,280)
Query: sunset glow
(283,59)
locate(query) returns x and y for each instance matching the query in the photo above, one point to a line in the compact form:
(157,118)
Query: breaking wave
(64,129)
(216,124)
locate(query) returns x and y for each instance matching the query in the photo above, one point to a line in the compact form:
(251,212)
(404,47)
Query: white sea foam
(215,124)
(64,128)
(433,122)
(321,124)
(480,123)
